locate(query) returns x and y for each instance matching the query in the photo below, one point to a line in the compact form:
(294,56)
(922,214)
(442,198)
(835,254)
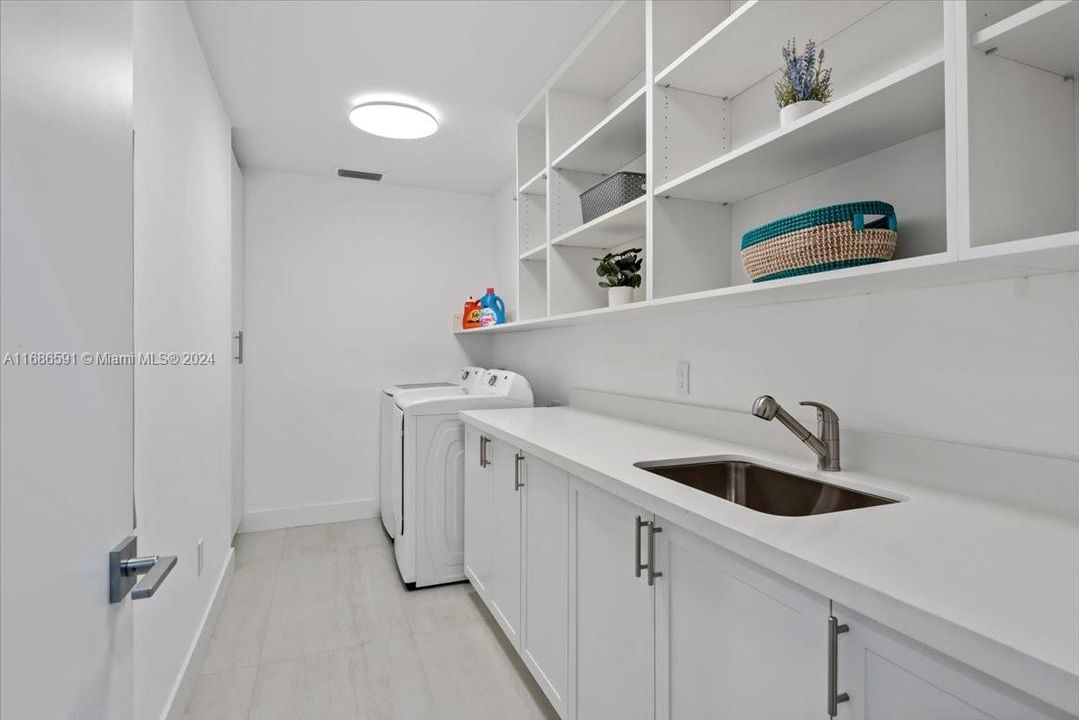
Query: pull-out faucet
(826,446)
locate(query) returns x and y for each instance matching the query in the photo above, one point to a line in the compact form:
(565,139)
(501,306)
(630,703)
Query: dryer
(429,545)
(458,383)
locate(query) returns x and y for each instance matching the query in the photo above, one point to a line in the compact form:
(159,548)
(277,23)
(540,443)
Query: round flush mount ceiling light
(399,121)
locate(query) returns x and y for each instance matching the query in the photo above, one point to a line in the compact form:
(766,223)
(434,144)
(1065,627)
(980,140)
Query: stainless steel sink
(762,488)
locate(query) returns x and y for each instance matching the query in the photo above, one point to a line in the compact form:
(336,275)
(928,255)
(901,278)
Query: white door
(505,584)
(237,379)
(66,439)
(477,513)
(545,629)
(612,667)
(890,677)
(734,642)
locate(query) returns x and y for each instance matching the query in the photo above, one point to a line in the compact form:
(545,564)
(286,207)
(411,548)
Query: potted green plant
(621,272)
(804,84)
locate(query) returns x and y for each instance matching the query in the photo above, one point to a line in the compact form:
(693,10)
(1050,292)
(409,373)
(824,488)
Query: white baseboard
(185,683)
(274,518)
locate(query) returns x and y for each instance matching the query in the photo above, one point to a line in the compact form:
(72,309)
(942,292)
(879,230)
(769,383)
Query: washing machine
(429,543)
(389,437)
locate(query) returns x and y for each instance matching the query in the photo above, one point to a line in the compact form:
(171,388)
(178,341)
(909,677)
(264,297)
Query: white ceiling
(289,72)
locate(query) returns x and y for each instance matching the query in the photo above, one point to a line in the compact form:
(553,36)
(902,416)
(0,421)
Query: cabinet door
(477,515)
(545,630)
(890,677)
(612,667)
(733,641)
(504,586)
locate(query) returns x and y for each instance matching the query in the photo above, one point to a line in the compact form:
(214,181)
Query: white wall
(350,286)
(182,301)
(994,364)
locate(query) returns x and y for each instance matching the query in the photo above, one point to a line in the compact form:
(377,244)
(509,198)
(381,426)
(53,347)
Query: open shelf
(615,141)
(610,57)
(728,59)
(621,225)
(1020,161)
(907,274)
(1044,35)
(537,185)
(901,106)
(532,141)
(536,254)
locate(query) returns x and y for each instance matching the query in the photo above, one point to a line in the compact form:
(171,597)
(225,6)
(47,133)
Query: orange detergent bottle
(471,318)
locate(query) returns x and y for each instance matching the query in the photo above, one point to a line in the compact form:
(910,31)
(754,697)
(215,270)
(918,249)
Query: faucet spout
(826,447)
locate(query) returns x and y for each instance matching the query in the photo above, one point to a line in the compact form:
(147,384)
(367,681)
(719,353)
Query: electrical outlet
(198,550)
(682,378)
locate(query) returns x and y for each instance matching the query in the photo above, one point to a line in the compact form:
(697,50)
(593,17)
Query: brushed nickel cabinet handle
(517,482)
(652,573)
(835,629)
(637,566)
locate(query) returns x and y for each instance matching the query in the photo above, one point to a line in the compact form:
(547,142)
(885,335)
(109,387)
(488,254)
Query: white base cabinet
(612,619)
(477,513)
(733,641)
(890,677)
(504,583)
(618,613)
(544,630)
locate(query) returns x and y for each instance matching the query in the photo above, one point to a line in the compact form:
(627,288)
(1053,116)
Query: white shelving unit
(1019,159)
(620,226)
(614,142)
(536,185)
(532,211)
(964,116)
(1042,36)
(729,58)
(904,105)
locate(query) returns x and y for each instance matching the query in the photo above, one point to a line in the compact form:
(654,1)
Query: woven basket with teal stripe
(827,238)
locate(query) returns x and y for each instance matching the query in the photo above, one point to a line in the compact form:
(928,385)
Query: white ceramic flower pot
(619,296)
(796,111)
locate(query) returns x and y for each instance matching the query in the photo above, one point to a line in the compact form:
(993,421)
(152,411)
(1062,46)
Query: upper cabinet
(961,115)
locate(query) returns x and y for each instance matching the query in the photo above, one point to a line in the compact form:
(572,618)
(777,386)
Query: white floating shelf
(1044,35)
(537,185)
(1022,258)
(728,59)
(619,226)
(900,106)
(612,143)
(536,254)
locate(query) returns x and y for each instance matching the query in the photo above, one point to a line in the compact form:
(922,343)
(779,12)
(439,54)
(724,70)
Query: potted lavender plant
(804,84)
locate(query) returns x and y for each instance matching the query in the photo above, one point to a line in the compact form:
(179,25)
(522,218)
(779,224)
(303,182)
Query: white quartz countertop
(993,586)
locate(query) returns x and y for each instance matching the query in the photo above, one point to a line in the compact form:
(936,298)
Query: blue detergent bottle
(497,308)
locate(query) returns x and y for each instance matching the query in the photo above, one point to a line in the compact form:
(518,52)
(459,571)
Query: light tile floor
(317,624)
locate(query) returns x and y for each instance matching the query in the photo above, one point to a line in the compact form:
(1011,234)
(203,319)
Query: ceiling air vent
(358,174)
